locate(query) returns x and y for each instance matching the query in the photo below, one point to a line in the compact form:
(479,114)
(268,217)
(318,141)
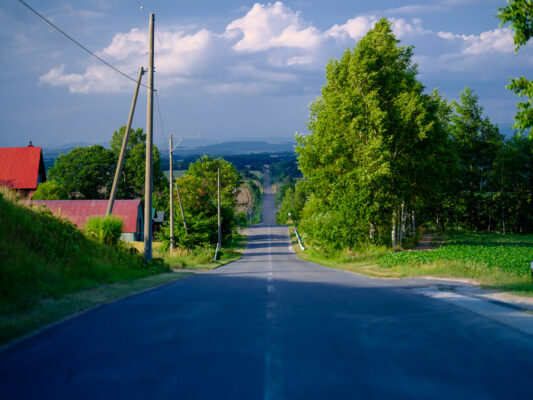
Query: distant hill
(226,148)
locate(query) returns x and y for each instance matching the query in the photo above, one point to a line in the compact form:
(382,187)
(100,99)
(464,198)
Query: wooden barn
(22,168)
(79,211)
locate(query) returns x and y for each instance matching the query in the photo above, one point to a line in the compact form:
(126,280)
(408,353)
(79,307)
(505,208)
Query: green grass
(176,173)
(497,262)
(203,258)
(45,258)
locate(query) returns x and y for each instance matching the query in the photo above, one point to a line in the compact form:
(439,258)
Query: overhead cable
(66,35)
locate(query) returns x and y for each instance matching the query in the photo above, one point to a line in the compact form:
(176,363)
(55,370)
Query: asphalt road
(271,326)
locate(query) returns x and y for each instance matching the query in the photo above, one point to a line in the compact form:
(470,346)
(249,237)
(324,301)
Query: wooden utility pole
(219,245)
(120,163)
(148,181)
(171,178)
(181,208)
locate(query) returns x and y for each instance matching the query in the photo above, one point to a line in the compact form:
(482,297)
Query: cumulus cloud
(494,41)
(268,26)
(357,27)
(498,41)
(96,79)
(269,47)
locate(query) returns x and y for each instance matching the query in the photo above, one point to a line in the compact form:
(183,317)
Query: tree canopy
(133,173)
(85,171)
(375,139)
(519,14)
(198,191)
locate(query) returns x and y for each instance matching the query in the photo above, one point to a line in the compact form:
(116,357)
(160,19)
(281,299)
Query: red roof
(19,167)
(78,211)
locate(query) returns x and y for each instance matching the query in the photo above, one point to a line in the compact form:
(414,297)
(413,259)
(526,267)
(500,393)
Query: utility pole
(171,177)
(148,181)
(219,245)
(120,163)
(181,208)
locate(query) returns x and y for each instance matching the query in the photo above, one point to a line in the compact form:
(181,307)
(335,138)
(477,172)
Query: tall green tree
(477,143)
(84,170)
(376,141)
(198,191)
(133,173)
(519,14)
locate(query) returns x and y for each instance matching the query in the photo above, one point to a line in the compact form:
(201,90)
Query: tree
(84,170)
(133,173)
(373,133)
(50,190)
(477,143)
(519,14)
(198,191)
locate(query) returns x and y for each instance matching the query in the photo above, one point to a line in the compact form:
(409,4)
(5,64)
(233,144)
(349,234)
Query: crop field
(509,253)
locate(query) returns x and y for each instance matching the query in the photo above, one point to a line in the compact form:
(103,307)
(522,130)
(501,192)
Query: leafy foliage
(107,230)
(375,144)
(133,173)
(198,191)
(50,190)
(519,14)
(511,253)
(84,170)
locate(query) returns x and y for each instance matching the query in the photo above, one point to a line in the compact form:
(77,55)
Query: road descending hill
(271,326)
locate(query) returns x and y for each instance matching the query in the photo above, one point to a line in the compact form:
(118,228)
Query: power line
(161,122)
(66,35)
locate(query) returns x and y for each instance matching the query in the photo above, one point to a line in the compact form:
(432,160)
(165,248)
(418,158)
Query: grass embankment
(200,258)
(499,262)
(44,260)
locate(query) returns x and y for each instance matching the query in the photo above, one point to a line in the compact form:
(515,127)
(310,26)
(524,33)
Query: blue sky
(230,70)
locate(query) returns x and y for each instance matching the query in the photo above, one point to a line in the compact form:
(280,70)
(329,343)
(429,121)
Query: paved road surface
(273,327)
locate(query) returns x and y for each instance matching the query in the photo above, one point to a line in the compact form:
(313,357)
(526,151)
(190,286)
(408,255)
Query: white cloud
(354,28)
(270,26)
(498,41)
(448,35)
(357,27)
(96,79)
(495,41)
(414,9)
(268,49)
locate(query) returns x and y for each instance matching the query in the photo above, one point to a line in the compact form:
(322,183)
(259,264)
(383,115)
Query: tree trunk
(371,231)
(393,233)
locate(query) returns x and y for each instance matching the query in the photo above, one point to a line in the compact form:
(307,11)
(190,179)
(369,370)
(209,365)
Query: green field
(496,262)
(176,173)
(509,253)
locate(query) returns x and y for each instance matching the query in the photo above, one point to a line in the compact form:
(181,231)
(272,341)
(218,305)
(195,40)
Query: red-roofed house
(79,211)
(22,168)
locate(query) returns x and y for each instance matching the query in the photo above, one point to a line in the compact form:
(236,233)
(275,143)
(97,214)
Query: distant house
(79,211)
(22,168)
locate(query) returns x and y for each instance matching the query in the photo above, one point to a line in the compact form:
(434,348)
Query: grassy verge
(496,262)
(49,269)
(203,258)
(48,311)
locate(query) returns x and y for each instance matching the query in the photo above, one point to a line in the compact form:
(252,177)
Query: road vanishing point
(272,326)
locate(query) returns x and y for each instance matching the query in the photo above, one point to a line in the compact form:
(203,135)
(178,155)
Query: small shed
(22,168)
(79,211)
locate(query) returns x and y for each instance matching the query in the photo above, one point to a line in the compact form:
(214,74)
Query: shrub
(107,230)
(50,190)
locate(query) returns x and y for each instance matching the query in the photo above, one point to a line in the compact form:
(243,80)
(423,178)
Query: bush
(107,230)
(50,190)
